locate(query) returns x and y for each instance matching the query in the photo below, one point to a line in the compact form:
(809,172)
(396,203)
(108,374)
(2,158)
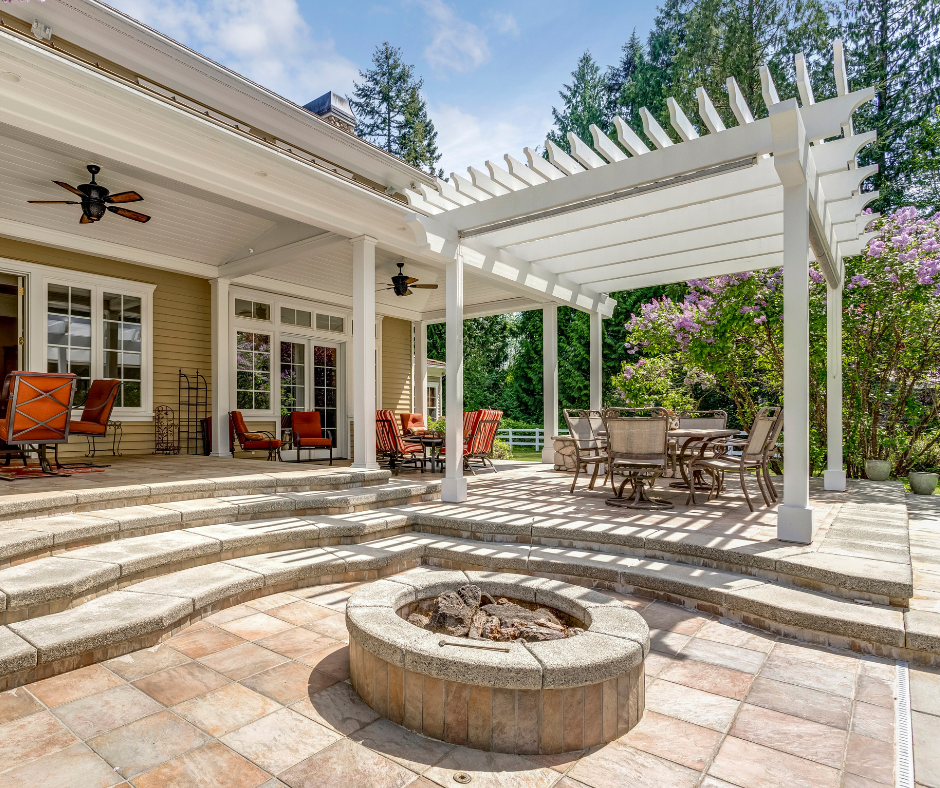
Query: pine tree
(380,98)
(584,102)
(621,82)
(522,397)
(418,137)
(893,45)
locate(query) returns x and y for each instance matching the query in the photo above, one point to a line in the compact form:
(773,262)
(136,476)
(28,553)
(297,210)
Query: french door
(311,380)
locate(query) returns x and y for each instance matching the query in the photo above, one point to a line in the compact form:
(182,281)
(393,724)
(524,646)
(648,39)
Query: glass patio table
(692,441)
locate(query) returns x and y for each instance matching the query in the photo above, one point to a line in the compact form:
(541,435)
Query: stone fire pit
(528,697)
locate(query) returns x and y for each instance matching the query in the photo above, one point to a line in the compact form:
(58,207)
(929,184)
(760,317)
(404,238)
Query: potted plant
(877,470)
(923,483)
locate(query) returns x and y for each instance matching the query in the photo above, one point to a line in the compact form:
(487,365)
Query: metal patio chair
(638,450)
(391,444)
(695,420)
(586,428)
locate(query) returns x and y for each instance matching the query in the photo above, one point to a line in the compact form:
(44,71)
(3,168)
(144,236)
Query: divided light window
(295,317)
(122,346)
(252,371)
(329,323)
(252,309)
(68,338)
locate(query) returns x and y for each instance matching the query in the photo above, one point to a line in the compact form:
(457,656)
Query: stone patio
(258,695)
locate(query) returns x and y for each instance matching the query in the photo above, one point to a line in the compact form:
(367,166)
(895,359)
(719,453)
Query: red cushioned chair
(253,441)
(98,406)
(413,424)
(471,418)
(38,408)
(391,444)
(479,449)
(308,434)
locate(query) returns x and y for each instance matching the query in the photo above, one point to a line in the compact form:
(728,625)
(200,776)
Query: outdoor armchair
(590,448)
(638,450)
(306,433)
(754,456)
(39,406)
(391,444)
(413,424)
(479,448)
(98,406)
(695,420)
(250,440)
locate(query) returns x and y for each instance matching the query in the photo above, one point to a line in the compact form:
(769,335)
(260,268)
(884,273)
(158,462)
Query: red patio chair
(479,448)
(38,410)
(308,434)
(391,444)
(253,441)
(413,424)
(98,406)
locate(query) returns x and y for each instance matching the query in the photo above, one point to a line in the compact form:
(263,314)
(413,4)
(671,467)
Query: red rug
(14,472)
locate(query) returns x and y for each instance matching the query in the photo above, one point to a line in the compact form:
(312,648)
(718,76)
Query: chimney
(335,110)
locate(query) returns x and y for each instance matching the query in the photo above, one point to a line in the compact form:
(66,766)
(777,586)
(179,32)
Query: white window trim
(39,277)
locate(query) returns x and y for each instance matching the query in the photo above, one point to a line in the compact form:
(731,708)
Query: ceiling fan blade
(137,217)
(383,289)
(425,287)
(86,220)
(125,197)
(70,188)
(410,279)
(54,202)
(408,292)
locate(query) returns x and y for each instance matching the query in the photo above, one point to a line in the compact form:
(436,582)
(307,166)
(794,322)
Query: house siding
(396,365)
(181,330)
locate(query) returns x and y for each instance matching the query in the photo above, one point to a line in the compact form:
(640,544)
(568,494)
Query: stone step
(27,540)
(19,506)
(141,615)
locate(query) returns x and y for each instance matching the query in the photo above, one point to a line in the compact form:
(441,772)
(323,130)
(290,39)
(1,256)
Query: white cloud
(465,139)
(505,24)
(269,43)
(456,44)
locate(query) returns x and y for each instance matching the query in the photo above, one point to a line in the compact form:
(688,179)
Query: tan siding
(396,365)
(181,327)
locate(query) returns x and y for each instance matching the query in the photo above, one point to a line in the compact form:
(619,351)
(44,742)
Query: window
(123,345)
(293,374)
(68,339)
(324,386)
(329,323)
(432,403)
(252,309)
(252,371)
(295,317)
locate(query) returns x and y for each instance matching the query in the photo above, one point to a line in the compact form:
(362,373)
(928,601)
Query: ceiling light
(9,76)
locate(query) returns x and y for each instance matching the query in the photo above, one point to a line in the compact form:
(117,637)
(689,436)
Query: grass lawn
(527,455)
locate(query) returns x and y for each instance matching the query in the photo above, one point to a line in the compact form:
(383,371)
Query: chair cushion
(313,442)
(87,428)
(268,443)
(254,436)
(306,423)
(408,448)
(100,402)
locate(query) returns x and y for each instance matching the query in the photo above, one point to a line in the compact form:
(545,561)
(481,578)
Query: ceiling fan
(402,284)
(95,200)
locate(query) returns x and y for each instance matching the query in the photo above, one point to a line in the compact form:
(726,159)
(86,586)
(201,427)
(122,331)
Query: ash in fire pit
(469,612)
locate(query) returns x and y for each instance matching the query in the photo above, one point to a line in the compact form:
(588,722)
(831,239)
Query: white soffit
(704,206)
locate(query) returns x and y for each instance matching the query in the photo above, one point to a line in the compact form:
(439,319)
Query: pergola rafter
(782,190)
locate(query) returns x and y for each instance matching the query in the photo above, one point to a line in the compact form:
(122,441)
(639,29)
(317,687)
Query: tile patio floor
(256,696)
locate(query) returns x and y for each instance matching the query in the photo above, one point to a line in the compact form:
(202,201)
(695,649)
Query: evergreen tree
(522,398)
(380,98)
(418,137)
(621,82)
(584,102)
(893,45)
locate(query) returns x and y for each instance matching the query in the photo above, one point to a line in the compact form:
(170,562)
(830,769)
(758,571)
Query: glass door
(310,380)
(12,323)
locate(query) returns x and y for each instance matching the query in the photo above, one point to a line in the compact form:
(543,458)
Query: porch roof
(707,206)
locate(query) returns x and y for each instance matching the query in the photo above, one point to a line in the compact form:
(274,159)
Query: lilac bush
(726,333)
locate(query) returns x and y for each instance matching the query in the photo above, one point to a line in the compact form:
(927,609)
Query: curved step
(24,540)
(125,620)
(47,504)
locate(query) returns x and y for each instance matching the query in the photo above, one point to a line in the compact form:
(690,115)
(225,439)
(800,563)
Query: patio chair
(413,424)
(754,455)
(95,416)
(590,448)
(470,419)
(306,433)
(479,449)
(254,441)
(638,450)
(695,420)
(39,405)
(390,443)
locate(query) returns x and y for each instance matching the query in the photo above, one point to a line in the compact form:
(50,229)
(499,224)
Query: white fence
(525,439)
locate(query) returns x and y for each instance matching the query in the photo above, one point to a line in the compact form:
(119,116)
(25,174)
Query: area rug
(14,473)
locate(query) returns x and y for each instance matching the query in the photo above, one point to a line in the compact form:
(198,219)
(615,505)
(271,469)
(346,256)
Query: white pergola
(762,194)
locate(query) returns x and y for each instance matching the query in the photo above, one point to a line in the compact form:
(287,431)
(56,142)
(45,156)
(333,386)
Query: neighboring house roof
(435,363)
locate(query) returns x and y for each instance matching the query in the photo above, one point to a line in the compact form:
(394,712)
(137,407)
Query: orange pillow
(254,436)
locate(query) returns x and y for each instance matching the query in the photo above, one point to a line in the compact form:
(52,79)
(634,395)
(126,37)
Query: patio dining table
(693,440)
(431,444)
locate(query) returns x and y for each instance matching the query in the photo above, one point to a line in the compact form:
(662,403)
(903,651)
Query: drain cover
(462,777)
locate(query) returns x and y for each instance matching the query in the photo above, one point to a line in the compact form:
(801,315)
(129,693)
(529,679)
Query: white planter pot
(923,483)
(878,470)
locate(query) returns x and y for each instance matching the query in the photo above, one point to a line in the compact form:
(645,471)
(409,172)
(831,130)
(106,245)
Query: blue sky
(491,70)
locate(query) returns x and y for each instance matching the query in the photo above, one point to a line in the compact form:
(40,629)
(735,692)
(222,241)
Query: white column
(363,355)
(421,369)
(795,515)
(834,478)
(597,360)
(549,379)
(221,364)
(378,362)
(454,485)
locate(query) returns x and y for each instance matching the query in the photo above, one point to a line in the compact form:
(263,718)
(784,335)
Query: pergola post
(454,485)
(363,355)
(549,380)
(597,360)
(221,362)
(421,368)
(791,152)
(834,478)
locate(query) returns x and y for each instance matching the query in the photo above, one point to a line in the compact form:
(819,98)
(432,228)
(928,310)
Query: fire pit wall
(543,697)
